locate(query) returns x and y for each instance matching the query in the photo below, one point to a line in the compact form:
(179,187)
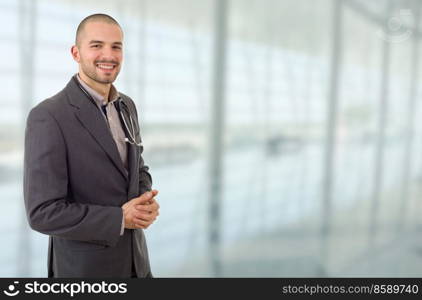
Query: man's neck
(102,88)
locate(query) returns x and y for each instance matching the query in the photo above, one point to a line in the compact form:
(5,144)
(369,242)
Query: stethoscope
(131,126)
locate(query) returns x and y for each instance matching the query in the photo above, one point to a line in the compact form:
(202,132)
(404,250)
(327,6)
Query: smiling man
(85,182)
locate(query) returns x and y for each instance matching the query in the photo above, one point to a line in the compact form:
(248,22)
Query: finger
(139,222)
(155,205)
(146,210)
(154,201)
(148,216)
(144,198)
(145,207)
(129,225)
(152,194)
(145,217)
(142,227)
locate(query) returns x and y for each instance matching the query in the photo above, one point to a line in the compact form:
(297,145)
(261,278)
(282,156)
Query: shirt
(111,116)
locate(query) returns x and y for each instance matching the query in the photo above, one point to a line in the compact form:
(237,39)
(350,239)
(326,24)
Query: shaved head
(94,18)
(98,50)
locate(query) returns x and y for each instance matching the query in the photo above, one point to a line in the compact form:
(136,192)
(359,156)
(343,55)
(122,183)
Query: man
(85,182)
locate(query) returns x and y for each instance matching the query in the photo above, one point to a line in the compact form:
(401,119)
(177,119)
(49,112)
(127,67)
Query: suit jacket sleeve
(48,208)
(145,179)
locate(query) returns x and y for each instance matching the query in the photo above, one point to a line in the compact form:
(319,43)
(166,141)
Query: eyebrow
(101,42)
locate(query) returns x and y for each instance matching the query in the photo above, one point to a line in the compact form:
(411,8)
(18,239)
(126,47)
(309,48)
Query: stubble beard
(91,72)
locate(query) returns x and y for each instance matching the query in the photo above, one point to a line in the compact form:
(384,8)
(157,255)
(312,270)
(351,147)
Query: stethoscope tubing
(131,133)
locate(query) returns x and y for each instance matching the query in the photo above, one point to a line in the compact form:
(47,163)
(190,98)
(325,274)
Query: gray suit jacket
(75,184)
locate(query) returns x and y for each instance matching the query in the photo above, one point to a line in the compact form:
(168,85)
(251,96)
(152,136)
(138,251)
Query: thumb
(144,198)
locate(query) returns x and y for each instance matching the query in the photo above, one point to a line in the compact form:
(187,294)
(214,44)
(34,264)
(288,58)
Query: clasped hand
(142,211)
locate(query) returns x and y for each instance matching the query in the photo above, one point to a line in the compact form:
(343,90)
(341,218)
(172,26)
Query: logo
(67,288)
(398,27)
(12,290)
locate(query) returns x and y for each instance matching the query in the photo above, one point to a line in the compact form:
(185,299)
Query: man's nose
(107,54)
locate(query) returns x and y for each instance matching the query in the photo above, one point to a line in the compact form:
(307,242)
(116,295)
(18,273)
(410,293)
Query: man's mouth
(106,66)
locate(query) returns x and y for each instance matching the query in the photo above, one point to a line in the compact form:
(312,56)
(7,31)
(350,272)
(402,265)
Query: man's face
(99,51)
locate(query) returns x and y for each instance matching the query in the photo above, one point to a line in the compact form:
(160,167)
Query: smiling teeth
(105,66)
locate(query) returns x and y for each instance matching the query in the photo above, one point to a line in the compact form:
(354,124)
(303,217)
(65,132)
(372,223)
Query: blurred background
(285,136)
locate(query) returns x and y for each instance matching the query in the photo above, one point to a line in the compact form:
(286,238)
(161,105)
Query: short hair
(94,18)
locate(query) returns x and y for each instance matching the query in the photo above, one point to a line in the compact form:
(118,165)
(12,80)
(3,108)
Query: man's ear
(75,53)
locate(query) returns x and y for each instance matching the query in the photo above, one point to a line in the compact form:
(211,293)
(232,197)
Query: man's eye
(117,47)
(95,46)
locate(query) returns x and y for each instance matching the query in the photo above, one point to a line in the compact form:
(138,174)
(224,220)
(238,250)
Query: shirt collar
(99,99)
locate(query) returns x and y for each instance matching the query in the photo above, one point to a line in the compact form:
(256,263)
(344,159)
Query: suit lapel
(132,165)
(133,161)
(90,117)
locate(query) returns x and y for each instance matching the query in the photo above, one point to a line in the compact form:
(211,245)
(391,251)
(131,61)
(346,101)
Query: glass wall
(283,136)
